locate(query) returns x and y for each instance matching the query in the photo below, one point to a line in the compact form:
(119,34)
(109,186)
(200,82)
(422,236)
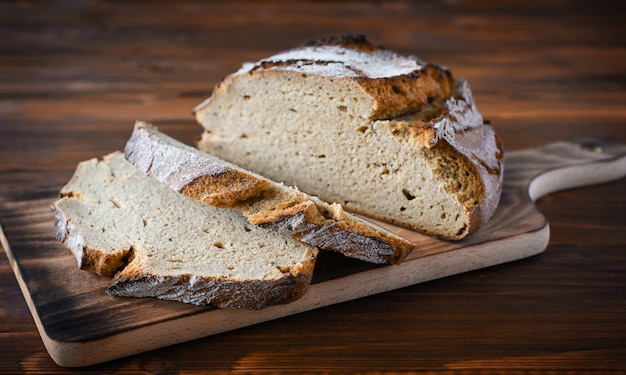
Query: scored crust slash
(288,142)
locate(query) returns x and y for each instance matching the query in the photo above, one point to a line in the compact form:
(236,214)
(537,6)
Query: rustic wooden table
(75,75)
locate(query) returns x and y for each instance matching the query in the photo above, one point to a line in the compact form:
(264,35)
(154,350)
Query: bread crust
(224,189)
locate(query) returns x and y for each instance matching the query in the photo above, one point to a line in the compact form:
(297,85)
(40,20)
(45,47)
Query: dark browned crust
(224,189)
(463,181)
(407,93)
(316,226)
(221,292)
(333,235)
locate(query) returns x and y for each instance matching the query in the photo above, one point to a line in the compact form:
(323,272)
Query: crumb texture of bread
(158,243)
(384,135)
(265,203)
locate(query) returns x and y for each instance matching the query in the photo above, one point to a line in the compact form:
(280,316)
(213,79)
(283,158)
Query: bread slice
(383,134)
(265,203)
(161,244)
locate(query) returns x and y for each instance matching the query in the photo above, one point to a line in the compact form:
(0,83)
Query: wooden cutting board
(81,325)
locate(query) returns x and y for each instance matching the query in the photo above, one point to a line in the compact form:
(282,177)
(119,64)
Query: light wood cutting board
(80,325)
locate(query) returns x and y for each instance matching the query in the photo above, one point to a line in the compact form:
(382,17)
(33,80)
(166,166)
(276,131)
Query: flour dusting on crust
(339,61)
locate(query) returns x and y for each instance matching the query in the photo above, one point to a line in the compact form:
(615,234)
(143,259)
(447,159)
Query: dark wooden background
(75,75)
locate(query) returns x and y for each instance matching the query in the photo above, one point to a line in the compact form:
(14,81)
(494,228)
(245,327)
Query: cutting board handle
(565,165)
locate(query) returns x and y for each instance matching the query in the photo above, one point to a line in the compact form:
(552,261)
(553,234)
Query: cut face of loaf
(385,135)
(158,243)
(265,203)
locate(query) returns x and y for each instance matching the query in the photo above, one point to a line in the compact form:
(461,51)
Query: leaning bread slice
(160,244)
(384,134)
(265,203)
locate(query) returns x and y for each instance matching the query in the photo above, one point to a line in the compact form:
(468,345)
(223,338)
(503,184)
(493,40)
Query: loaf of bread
(385,135)
(159,243)
(265,203)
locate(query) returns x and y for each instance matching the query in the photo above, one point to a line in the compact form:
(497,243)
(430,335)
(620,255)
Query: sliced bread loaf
(265,203)
(161,244)
(385,135)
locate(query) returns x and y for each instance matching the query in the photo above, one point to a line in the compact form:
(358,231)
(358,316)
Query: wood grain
(75,75)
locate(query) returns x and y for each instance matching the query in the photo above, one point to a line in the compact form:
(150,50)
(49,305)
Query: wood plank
(81,325)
